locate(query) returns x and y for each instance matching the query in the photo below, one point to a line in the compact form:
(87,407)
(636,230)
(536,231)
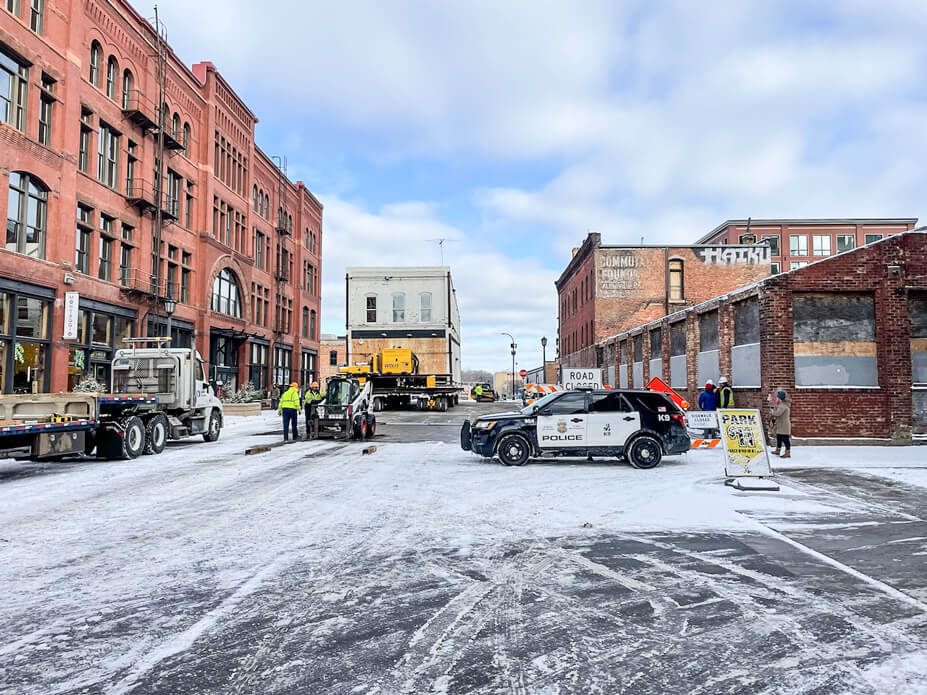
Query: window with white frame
(798,245)
(399,308)
(14,85)
(371,308)
(820,244)
(845,242)
(425,307)
(797,264)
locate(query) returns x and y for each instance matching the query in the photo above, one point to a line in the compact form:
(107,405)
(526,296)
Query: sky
(512,128)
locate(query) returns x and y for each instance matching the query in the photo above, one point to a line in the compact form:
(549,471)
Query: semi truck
(397,382)
(158,394)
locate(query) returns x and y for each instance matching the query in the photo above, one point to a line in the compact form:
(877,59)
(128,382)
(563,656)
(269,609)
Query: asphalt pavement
(419,569)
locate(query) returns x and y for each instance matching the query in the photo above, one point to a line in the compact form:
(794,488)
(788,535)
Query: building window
(798,245)
(96,55)
(774,268)
(188,208)
(185,285)
(83,157)
(305,322)
(12,6)
(399,308)
(226,297)
(372,309)
(175,126)
(105,270)
(46,104)
(125,264)
(797,264)
(676,287)
(14,84)
(254,196)
(773,241)
(259,249)
(333,358)
(27,215)
(37,16)
(112,69)
(108,156)
(425,307)
(25,342)
(312,335)
(845,242)
(820,244)
(126,89)
(870,238)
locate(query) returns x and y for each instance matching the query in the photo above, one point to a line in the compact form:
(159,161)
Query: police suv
(642,426)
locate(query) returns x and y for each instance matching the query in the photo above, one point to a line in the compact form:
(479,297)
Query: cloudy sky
(511,128)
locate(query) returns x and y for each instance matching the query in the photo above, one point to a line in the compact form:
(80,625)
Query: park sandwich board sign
(745,454)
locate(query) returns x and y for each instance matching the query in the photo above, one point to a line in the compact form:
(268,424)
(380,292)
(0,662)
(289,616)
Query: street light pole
(544,359)
(169,306)
(513,360)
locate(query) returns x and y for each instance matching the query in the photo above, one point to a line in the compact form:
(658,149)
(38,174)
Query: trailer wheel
(133,442)
(213,428)
(156,434)
(442,404)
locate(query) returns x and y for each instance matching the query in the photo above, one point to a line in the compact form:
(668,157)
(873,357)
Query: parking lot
(314,568)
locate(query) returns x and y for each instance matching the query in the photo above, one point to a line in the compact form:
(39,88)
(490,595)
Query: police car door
(611,420)
(562,423)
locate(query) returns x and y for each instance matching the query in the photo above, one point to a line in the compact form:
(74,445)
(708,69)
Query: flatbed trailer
(423,391)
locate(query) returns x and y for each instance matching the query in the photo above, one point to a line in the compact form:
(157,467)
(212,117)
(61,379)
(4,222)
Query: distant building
(606,289)
(408,307)
(540,375)
(333,353)
(796,242)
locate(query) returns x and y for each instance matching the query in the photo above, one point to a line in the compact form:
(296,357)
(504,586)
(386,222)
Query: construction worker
(289,407)
(479,392)
(725,394)
(311,401)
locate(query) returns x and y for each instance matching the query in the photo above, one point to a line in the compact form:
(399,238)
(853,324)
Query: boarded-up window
(678,364)
(623,364)
(745,353)
(708,331)
(834,337)
(638,343)
(917,314)
(656,343)
(676,289)
(678,338)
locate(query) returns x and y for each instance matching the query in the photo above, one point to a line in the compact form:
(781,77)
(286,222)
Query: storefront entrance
(25,336)
(224,348)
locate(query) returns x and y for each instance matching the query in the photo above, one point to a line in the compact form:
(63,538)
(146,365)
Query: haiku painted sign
(71,315)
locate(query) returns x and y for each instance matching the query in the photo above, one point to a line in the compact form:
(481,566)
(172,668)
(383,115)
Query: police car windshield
(540,403)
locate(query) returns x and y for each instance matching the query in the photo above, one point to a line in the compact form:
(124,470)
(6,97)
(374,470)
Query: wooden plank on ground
(369,450)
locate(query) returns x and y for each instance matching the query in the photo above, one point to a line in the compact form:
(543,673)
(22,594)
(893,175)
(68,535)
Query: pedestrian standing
(310,405)
(725,394)
(274,397)
(289,408)
(782,422)
(708,399)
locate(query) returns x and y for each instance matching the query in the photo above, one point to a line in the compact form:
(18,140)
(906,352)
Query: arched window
(254,195)
(186,139)
(267,206)
(96,55)
(27,215)
(226,297)
(676,289)
(175,126)
(305,322)
(112,69)
(424,302)
(126,89)
(312,325)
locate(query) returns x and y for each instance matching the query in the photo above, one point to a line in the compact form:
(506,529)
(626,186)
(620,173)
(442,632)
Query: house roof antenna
(441,243)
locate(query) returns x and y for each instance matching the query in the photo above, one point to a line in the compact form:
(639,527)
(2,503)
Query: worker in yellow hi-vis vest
(311,401)
(289,407)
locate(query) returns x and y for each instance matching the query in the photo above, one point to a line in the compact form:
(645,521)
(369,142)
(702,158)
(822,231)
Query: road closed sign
(744,443)
(576,378)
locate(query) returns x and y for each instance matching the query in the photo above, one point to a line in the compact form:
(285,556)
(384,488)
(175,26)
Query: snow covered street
(315,569)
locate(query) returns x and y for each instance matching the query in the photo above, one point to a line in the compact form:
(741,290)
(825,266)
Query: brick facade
(229,212)
(608,289)
(327,346)
(885,275)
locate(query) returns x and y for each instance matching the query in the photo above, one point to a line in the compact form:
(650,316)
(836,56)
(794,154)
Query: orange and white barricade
(535,391)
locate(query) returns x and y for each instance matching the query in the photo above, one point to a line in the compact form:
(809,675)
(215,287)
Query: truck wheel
(213,428)
(156,434)
(377,404)
(371,425)
(133,441)
(644,452)
(514,450)
(364,432)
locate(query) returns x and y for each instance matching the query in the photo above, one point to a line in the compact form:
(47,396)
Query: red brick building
(238,248)
(797,242)
(846,337)
(607,289)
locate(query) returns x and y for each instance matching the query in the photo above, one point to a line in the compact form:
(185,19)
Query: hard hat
(709,383)
(294,385)
(315,384)
(722,380)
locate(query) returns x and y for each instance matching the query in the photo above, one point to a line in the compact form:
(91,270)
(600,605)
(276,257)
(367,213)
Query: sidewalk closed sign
(744,443)
(576,378)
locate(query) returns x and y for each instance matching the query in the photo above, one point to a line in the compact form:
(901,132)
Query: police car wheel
(514,450)
(644,453)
